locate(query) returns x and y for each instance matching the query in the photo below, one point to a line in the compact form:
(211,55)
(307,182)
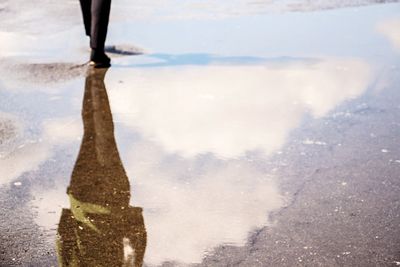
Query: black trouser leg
(100,13)
(86,6)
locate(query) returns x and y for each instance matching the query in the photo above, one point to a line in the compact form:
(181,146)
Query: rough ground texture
(338,173)
(345,205)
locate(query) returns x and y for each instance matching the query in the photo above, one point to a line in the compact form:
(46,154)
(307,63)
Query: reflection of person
(100,224)
(96,15)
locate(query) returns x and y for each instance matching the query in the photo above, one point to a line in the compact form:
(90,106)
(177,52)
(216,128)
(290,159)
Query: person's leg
(100,10)
(86,6)
(100,13)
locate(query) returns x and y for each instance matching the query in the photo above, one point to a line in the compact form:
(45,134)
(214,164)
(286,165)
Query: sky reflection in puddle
(186,143)
(196,125)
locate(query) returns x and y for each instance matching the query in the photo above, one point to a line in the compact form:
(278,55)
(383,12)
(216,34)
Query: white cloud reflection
(43,47)
(229,110)
(188,212)
(26,157)
(62,130)
(391,30)
(23,153)
(182,112)
(18,153)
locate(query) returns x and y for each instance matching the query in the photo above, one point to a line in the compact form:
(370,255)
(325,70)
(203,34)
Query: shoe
(98,59)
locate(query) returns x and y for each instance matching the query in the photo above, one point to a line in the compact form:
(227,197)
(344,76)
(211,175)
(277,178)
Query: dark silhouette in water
(96,15)
(100,223)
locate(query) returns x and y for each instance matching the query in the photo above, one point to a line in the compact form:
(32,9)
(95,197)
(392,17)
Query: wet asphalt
(250,147)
